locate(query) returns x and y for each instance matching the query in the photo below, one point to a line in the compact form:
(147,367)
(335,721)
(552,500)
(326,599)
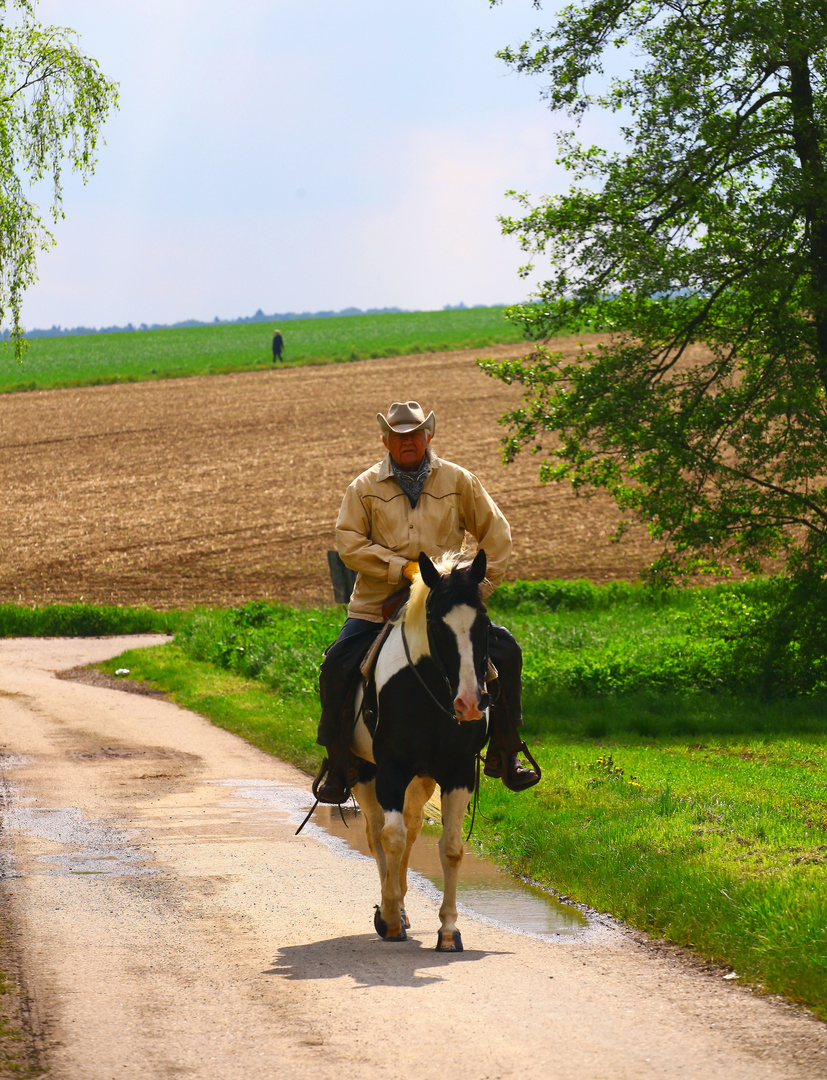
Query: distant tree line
(57,331)
(259,317)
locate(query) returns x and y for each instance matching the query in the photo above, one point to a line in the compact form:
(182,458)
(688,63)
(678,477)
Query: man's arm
(487,524)
(357,550)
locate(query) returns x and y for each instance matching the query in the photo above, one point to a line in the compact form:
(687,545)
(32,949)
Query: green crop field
(94,359)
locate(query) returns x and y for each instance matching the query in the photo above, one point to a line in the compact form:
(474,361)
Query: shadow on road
(369,961)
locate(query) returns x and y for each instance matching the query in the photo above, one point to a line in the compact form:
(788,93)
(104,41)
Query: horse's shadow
(368,961)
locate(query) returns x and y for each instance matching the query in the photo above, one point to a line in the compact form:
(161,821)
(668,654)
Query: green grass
(692,808)
(719,846)
(83,620)
(91,359)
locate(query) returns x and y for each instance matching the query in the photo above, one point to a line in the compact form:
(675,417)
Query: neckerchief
(412,481)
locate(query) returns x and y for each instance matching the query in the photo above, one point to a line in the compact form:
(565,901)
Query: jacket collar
(386,470)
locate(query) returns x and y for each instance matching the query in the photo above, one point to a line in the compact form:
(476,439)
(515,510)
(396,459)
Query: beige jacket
(378,531)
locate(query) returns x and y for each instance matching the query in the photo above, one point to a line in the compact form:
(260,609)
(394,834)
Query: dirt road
(171,925)
(221,489)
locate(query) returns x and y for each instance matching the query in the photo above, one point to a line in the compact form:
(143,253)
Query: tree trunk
(808,146)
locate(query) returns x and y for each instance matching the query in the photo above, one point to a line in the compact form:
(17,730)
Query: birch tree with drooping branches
(53,103)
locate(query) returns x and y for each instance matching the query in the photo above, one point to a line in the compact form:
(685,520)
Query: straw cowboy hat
(405,417)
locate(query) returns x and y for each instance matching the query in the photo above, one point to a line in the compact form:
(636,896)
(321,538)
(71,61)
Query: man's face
(409,449)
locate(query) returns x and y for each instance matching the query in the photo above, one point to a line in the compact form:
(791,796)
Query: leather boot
(332,784)
(500,765)
(502,760)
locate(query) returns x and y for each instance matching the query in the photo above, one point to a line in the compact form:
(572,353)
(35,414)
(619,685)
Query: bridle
(451,714)
(438,664)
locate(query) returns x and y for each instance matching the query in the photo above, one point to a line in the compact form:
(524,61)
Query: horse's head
(457,627)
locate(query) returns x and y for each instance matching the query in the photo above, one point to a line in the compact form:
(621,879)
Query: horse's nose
(467,708)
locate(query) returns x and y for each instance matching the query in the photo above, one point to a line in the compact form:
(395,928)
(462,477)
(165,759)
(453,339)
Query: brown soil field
(224,489)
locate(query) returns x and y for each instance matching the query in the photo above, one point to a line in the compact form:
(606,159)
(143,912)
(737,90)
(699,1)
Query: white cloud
(296,157)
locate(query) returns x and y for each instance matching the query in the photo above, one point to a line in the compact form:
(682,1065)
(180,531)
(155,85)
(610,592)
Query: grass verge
(84,620)
(693,810)
(133,356)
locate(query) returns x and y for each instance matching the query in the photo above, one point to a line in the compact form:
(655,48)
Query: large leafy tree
(53,101)
(702,248)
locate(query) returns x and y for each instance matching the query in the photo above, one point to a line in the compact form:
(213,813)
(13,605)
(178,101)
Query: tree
(702,248)
(53,101)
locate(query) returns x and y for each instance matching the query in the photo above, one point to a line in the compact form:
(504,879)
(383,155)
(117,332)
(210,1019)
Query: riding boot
(502,760)
(333,783)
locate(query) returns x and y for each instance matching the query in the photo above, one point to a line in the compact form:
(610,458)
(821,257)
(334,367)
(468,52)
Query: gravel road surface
(169,924)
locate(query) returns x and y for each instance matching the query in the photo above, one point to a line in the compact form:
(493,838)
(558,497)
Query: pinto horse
(431,723)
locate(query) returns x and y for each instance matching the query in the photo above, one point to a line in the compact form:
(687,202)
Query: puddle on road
(82,846)
(495,895)
(78,845)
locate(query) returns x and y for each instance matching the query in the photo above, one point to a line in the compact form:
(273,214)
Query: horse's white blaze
(461,619)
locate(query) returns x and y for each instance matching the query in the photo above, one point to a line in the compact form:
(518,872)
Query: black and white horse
(431,722)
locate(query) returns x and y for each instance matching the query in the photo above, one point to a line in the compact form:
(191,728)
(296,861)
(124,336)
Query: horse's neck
(393,657)
(416,635)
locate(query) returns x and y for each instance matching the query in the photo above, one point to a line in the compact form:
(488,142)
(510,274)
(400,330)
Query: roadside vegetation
(134,356)
(680,734)
(83,620)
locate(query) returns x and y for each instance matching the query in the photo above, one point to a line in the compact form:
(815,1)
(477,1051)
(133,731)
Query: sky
(297,155)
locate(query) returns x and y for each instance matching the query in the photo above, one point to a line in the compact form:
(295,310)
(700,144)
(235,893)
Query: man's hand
(411,568)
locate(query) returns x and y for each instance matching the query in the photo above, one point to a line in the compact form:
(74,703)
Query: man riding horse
(410,502)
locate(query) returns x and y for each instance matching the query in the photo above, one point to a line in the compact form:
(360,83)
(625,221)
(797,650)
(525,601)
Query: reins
(476,799)
(312,809)
(447,712)
(310,814)
(421,681)
(451,715)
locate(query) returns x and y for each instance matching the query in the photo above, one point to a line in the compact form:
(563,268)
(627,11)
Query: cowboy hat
(405,417)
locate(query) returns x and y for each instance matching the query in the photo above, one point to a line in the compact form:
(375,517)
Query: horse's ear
(479,566)
(430,574)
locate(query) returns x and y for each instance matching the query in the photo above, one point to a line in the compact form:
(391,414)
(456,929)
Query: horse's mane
(413,613)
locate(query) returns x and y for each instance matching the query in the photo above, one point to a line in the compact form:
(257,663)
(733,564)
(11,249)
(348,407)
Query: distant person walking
(278,346)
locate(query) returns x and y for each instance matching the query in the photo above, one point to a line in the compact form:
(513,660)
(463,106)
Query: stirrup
(496,766)
(524,750)
(317,785)
(324,769)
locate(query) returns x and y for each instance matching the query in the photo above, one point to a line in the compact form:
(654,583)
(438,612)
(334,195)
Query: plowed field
(221,489)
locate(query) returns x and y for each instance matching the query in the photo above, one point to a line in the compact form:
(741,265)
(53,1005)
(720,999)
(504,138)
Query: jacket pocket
(381,531)
(448,535)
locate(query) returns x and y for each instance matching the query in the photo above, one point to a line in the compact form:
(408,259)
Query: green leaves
(702,250)
(53,101)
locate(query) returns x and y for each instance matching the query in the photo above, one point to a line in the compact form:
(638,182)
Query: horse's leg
(451,850)
(420,789)
(391,784)
(365,795)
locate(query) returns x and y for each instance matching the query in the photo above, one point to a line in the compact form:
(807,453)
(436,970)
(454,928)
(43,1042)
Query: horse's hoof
(406,922)
(385,932)
(447,943)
